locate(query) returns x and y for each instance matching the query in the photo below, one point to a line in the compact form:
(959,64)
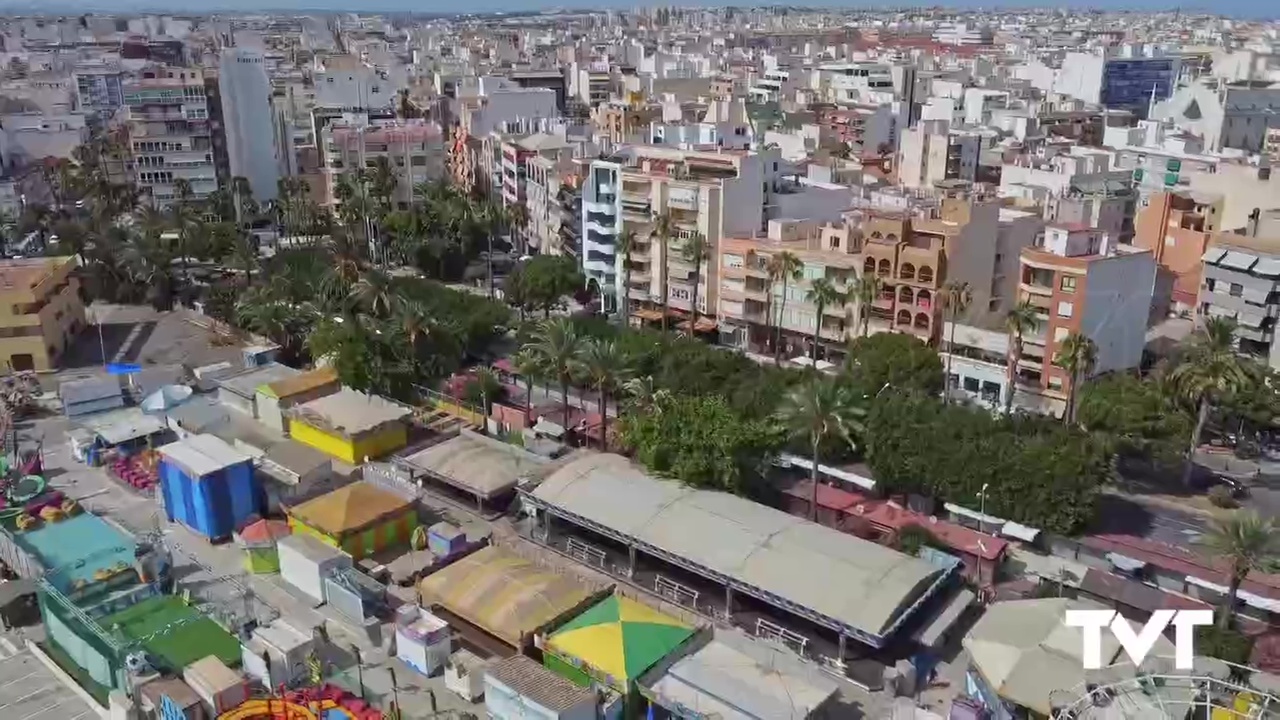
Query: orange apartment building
(1177,228)
(1083,282)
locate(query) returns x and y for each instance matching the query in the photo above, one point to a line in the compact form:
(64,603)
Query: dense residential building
(41,312)
(248,121)
(1178,229)
(1241,279)
(914,255)
(169,132)
(413,151)
(1083,282)
(625,193)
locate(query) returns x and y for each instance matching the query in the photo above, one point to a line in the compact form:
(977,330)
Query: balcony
(1036,282)
(604,208)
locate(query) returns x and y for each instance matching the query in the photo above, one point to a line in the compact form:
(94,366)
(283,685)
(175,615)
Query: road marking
(24,677)
(8,645)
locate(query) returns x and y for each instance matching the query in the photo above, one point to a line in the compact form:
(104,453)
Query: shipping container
(305,561)
(208,485)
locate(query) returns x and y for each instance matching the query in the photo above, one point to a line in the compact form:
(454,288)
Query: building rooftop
(539,685)
(27,273)
(853,583)
(477,464)
(350,413)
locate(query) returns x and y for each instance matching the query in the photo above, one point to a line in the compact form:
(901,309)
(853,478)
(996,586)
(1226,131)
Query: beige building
(40,312)
(710,193)
(169,133)
(914,253)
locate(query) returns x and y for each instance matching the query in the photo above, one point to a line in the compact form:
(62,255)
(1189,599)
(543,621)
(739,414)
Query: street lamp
(982,509)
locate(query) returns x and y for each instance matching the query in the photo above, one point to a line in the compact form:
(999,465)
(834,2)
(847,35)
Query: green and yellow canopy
(619,637)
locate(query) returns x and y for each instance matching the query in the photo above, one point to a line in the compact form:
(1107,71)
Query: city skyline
(1237,8)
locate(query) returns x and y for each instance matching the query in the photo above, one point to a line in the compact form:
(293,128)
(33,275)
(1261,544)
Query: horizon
(1250,9)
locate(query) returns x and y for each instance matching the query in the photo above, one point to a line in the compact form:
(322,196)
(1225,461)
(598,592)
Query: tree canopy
(702,442)
(1036,471)
(898,360)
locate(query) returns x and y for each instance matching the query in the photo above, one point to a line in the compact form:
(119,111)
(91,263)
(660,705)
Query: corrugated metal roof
(851,581)
(538,684)
(1238,260)
(1267,267)
(202,455)
(89,389)
(1213,254)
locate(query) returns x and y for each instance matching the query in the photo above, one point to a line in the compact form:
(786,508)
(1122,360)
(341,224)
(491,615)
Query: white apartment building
(32,137)
(1224,115)
(248,120)
(843,83)
(1036,178)
(353,87)
(500,105)
(623,194)
(933,151)
(169,135)
(724,126)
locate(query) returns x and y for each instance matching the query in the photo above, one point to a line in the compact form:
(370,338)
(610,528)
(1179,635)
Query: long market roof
(502,593)
(477,464)
(847,580)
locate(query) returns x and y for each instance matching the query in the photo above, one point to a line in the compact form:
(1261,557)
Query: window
(971,384)
(1068,284)
(1236,290)
(418,160)
(1060,334)
(1065,309)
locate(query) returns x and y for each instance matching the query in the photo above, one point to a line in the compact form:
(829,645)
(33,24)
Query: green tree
(558,348)
(1023,318)
(819,410)
(864,292)
(603,366)
(1136,417)
(695,251)
(1208,370)
(375,293)
(787,268)
(1037,471)
(484,389)
(957,296)
(528,365)
(893,360)
(547,279)
(823,293)
(626,246)
(1078,356)
(662,230)
(1248,543)
(702,442)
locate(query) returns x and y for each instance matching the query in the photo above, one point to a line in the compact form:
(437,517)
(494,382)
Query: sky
(1243,8)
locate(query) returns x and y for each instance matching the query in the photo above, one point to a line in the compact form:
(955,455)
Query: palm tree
(557,348)
(663,229)
(411,316)
(626,244)
(644,394)
(822,292)
(695,251)
(1210,369)
(604,366)
(820,409)
(784,266)
(956,299)
(1022,319)
(528,365)
(865,290)
(376,293)
(1248,543)
(517,219)
(1077,355)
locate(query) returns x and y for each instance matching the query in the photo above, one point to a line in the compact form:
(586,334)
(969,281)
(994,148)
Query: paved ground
(216,577)
(30,691)
(139,334)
